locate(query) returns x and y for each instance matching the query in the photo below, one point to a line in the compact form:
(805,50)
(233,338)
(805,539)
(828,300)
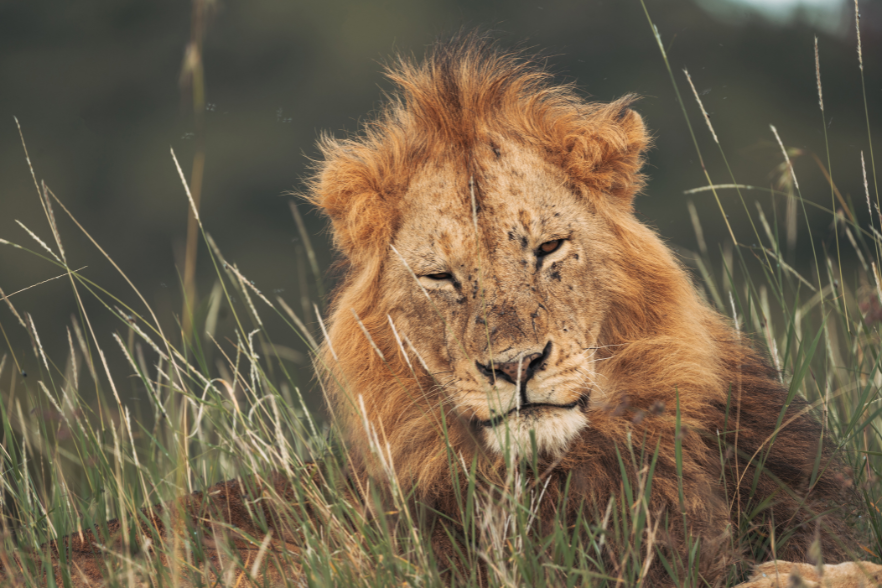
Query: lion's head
(501,299)
(498,285)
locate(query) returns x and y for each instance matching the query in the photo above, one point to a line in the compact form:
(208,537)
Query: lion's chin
(554,429)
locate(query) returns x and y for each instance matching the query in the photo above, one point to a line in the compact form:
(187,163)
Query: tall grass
(73,456)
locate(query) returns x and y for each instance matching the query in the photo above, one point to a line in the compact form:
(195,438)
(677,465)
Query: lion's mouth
(581,402)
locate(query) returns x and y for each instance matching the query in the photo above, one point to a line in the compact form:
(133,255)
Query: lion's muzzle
(516,372)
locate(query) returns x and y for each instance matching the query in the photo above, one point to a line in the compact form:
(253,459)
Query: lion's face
(512,309)
(505,315)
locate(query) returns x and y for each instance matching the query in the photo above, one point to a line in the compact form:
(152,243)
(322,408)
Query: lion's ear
(352,186)
(605,151)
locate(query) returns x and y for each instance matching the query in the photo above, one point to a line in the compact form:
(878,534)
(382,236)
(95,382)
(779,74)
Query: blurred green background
(95,85)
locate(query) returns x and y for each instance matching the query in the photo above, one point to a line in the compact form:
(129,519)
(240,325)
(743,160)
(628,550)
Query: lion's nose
(516,371)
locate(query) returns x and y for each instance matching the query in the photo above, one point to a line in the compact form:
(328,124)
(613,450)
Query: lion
(498,282)
(502,305)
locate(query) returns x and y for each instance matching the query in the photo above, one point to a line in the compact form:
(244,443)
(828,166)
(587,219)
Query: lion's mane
(668,354)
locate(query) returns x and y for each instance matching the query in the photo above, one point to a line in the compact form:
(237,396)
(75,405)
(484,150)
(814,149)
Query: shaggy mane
(467,92)
(670,348)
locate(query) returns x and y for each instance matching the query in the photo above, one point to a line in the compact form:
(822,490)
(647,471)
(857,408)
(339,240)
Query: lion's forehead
(518,197)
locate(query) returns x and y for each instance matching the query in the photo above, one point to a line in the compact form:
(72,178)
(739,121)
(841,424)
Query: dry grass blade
(193,208)
(4,297)
(300,325)
(786,156)
(818,75)
(366,334)
(12,308)
(318,315)
(33,330)
(39,241)
(245,282)
(701,105)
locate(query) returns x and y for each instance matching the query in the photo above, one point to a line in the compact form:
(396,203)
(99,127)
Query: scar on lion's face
(511,286)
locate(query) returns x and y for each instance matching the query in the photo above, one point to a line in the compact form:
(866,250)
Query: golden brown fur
(439,207)
(778,574)
(442,207)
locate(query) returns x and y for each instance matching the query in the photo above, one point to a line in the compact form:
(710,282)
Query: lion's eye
(549,247)
(439,277)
